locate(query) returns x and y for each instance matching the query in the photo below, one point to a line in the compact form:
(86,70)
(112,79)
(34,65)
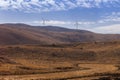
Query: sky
(101,16)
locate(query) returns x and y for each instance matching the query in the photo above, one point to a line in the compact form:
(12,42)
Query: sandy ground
(93,68)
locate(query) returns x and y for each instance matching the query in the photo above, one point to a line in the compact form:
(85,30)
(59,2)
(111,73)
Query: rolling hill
(26,34)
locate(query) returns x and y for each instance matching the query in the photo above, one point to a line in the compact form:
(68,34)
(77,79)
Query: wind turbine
(43,21)
(77,24)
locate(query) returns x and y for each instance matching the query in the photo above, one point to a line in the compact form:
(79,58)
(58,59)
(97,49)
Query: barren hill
(26,34)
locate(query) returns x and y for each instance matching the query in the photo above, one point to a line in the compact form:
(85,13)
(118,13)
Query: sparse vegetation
(61,62)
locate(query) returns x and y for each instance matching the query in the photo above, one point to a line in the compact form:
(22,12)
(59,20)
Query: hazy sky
(95,15)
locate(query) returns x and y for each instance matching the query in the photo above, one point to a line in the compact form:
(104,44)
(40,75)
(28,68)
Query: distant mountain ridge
(26,34)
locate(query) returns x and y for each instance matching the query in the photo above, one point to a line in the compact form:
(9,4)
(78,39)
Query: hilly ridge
(26,34)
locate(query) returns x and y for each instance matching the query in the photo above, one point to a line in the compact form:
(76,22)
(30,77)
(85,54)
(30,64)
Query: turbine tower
(77,24)
(43,21)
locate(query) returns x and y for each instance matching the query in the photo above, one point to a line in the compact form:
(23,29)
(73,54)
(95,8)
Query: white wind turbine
(76,24)
(43,21)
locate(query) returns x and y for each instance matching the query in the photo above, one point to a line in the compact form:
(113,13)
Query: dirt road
(93,68)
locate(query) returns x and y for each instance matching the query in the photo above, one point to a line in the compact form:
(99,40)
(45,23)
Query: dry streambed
(90,70)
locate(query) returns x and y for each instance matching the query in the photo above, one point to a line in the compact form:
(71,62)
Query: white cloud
(114,17)
(4,4)
(107,29)
(53,5)
(56,22)
(52,22)
(86,23)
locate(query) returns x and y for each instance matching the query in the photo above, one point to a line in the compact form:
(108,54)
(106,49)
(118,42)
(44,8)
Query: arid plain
(78,61)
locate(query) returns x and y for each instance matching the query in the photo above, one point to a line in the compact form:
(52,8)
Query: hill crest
(26,34)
